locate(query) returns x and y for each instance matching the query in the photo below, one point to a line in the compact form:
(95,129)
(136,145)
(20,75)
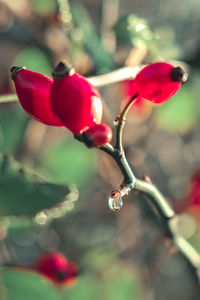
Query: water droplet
(115,203)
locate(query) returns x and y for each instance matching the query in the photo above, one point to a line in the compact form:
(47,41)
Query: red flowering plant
(70,100)
(73,102)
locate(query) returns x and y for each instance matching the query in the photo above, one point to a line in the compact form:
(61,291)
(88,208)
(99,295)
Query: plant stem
(170,219)
(164,209)
(158,200)
(122,163)
(120,122)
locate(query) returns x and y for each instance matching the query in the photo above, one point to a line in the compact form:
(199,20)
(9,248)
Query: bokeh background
(123,255)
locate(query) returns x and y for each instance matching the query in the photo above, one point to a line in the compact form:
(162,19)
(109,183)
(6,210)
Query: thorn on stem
(147,179)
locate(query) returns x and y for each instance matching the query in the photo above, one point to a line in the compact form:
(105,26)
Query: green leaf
(69,161)
(133,30)
(35,60)
(25,193)
(11,119)
(21,285)
(180,113)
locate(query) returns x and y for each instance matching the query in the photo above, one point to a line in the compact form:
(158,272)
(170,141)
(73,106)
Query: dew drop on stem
(115,203)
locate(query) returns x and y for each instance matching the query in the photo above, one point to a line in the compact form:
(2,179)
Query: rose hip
(74,100)
(33,90)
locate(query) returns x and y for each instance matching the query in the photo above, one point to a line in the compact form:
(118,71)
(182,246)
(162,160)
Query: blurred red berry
(191,201)
(74,100)
(159,81)
(194,194)
(33,90)
(98,135)
(57,268)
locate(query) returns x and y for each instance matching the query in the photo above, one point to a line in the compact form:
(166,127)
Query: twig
(115,200)
(164,209)
(120,159)
(8,98)
(115,76)
(120,122)
(170,219)
(188,251)
(159,201)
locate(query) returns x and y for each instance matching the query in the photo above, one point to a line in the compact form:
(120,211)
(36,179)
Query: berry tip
(14,70)
(178,74)
(61,70)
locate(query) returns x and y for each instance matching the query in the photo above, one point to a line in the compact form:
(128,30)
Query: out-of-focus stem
(114,77)
(170,219)
(8,98)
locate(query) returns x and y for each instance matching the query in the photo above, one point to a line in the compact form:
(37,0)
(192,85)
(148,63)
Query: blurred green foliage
(180,114)
(35,60)
(133,30)
(107,278)
(12,128)
(102,59)
(23,285)
(69,161)
(43,6)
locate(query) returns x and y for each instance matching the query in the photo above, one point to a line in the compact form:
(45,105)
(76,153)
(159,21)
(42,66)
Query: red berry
(159,81)
(191,202)
(74,100)
(33,90)
(57,268)
(98,135)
